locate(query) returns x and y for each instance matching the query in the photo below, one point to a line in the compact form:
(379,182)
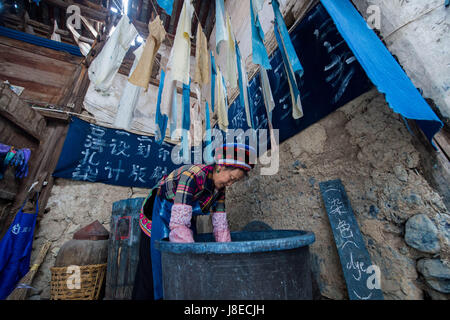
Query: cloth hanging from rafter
(243,86)
(105,66)
(196,118)
(201,74)
(230,73)
(208,143)
(222,110)
(181,50)
(141,75)
(221,30)
(130,96)
(160,119)
(297,109)
(258,49)
(186,121)
(167,5)
(213,80)
(287,43)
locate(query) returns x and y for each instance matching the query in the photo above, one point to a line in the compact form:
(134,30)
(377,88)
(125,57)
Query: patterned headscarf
(236,155)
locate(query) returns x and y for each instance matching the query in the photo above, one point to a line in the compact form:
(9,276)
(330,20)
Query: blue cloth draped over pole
(243,98)
(15,250)
(297,111)
(381,67)
(258,49)
(213,80)
(173,120)
(186,121)
(166,5)
(287,43)
(160,120)
(221,30)
(208,145)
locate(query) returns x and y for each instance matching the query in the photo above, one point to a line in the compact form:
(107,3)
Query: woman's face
(226,177)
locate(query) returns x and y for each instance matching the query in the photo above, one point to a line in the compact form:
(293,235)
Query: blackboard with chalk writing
(363,278)
(332,77)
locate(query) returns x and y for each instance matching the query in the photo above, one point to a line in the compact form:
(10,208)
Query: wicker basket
(91,280)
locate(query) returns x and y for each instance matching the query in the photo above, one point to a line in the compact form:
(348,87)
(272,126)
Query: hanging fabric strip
(287,43)
(257,5)
(181,50)
(267,93)
(297,109)
(208,143)
(166,5)
(213,80)
(231,70)
(221,30)
(258,49)
(196,129)
(173,116)
(269,104)
(129,98)
(141,76)
(243,96)
(222,111)
(105,66)
(160,120)
(201,74)
(186,121)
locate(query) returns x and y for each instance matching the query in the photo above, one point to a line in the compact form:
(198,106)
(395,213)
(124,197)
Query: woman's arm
(181,214)
(219,220)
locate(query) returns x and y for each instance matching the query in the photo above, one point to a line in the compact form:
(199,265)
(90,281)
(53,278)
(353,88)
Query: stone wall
(368,147)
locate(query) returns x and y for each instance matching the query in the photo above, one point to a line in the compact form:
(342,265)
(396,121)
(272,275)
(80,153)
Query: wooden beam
(94,14)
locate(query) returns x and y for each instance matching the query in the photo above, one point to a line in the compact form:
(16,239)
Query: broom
(21,290)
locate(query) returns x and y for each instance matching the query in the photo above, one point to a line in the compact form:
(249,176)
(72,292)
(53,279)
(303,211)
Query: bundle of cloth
(10,156)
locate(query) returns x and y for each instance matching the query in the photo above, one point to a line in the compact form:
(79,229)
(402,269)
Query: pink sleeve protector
(220,227)
(180,221)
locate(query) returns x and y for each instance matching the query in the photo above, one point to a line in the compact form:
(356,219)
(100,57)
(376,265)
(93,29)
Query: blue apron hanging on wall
(15,250)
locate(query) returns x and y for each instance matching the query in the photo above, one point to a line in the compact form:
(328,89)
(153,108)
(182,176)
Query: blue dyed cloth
(221,30)
(15,251)
(381,67)
(259,50)
(213,80)
(288,47)
(208,143)
(166,5)
(173,120)
(291,76)
(160,120)
(240,82)
(161,214)
(186,120)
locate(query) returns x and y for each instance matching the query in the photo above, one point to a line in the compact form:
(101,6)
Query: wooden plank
(42,51)
(361,276)
(12,108)
(123,252)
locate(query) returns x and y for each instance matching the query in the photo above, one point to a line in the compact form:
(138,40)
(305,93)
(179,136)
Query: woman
(186,192)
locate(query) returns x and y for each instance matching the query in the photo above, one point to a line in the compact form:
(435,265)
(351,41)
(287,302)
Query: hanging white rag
(105,66)
(130,96)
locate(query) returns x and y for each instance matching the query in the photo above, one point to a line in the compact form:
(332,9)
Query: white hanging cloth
(130,96)
(105,66)
(181,50)
(55,36)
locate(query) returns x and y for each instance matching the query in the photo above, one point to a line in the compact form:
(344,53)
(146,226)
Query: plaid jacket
(185,185)
(193,183)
